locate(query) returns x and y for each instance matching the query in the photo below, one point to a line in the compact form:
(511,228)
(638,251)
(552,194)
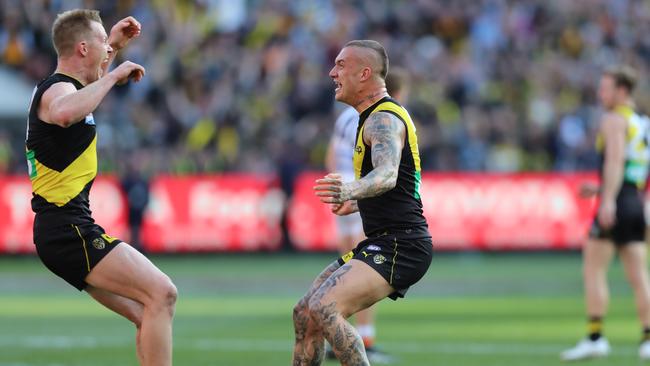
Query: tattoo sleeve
(385,134)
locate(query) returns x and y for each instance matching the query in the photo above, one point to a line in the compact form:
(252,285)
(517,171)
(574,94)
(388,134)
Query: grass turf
(470,309)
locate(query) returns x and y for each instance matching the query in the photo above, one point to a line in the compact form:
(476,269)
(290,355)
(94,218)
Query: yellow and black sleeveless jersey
(401,207)
(637,147)
(62,164)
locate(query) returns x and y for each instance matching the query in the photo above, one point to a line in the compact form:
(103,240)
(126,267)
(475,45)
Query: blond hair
(69,26)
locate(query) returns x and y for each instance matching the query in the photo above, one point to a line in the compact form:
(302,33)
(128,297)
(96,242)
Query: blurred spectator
(136,188)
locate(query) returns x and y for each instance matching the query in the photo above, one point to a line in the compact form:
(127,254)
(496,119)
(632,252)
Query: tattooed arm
(385,134)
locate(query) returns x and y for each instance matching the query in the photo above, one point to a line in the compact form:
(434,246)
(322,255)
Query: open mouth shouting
(338,86)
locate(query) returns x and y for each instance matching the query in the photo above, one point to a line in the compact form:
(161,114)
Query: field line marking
(278,345)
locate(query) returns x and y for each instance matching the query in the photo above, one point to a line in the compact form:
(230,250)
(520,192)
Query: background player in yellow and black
(398,248)
(62,160)
(623,142)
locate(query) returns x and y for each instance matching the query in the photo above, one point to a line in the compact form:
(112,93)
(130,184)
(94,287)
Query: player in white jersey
(349,228)
(339,159)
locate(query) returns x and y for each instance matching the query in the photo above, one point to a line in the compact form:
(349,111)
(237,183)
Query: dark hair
(396,79)
(69,26)
(624,76)
(377,48)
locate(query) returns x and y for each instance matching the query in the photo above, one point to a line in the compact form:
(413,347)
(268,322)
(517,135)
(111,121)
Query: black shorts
(71,251)
(630,218)
(400,260)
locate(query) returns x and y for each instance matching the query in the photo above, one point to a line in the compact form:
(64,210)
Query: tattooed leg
(309,347)
(346,342)
(353,287)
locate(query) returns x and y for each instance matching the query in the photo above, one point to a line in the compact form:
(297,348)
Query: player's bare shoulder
(381,126)
(48,109)
(385,133)
(612,121)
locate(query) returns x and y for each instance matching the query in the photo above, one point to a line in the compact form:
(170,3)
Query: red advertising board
(472,211)
(238,212)
(107,203)
(518,211)
(233,212)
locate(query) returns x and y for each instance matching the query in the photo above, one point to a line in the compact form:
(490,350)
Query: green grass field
(470,309)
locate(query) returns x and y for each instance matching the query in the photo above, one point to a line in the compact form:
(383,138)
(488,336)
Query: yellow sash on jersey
(60,188)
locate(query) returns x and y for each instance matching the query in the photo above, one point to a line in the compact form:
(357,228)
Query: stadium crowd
(237,85)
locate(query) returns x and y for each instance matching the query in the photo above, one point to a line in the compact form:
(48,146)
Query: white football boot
(644,350)
(587,348)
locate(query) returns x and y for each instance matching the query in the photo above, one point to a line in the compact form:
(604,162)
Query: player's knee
(300,313)
(320,313)
(165,295)
(170,294)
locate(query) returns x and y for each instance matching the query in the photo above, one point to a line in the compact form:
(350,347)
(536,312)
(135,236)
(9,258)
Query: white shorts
(349,225)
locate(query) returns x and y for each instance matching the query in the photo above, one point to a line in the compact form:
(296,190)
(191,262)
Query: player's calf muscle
(300,321)
(347,343)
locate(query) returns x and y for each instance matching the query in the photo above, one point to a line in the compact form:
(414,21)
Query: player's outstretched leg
(309,346)
(127,273)
(353,287)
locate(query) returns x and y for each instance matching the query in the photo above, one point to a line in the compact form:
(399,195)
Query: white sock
(366,331)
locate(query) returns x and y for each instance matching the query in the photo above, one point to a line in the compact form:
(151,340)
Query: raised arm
(121,34)
(63,105)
